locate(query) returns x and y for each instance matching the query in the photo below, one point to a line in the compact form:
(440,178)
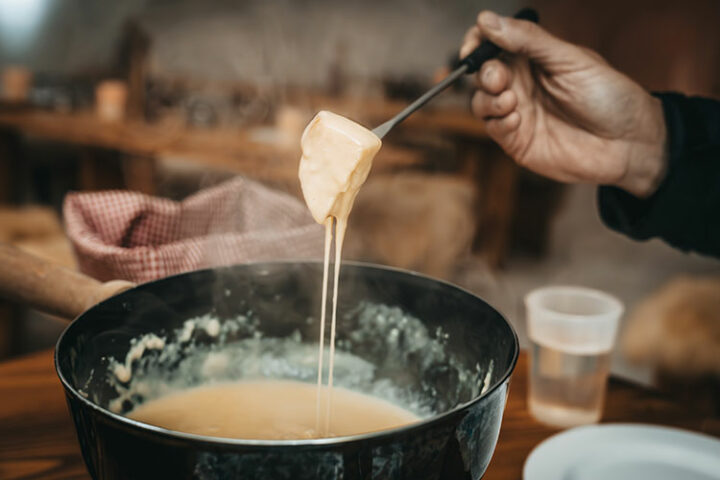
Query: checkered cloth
(131,236)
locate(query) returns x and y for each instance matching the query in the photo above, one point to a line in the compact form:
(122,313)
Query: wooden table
(37,440)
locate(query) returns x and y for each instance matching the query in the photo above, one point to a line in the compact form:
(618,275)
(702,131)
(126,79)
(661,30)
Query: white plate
(625,452)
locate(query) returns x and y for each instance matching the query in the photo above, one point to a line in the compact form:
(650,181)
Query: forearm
(685,208)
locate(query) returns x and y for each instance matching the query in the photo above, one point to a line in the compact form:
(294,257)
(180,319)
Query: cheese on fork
(337,154)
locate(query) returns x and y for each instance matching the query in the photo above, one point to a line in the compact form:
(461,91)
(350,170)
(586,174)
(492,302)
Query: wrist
(648,154)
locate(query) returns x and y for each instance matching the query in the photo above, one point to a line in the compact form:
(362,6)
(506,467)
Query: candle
(111,100)
(290,123)
(16,82)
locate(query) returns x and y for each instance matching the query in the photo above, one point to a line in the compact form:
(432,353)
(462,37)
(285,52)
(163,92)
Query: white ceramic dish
(625,452)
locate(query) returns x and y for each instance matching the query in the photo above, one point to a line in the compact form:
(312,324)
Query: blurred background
(168,97)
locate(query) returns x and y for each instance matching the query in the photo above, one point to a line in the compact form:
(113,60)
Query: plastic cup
(572,331)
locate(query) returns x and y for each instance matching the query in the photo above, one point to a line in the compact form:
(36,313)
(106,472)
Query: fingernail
(491,21)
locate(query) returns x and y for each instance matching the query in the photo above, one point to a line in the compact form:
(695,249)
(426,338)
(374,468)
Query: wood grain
(53,289)
(37,440)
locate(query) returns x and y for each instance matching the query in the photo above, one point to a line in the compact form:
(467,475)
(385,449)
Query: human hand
(560,110)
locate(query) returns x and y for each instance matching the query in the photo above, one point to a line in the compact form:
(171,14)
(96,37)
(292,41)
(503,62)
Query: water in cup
(567,389)
(572,331)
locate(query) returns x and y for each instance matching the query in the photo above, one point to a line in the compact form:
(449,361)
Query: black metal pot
(456,442)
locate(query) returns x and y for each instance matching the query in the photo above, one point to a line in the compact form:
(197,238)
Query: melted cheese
(337,155)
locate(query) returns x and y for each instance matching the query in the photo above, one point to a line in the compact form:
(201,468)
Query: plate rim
(621,426)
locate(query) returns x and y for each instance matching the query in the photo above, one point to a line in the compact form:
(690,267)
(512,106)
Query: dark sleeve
(685,209)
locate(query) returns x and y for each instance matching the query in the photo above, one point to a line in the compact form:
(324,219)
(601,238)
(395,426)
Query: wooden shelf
(260,153)
(228,148)
(449,120)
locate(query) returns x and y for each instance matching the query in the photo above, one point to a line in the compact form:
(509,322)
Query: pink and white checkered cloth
(131,236)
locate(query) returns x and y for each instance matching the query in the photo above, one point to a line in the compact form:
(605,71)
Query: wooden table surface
(37,440)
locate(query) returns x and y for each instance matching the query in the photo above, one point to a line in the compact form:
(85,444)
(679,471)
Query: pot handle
(51,288)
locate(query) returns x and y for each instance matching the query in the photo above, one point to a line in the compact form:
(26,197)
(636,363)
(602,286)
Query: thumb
(523,37)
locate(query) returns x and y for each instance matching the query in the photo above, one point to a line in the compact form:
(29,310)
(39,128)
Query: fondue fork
(469,64)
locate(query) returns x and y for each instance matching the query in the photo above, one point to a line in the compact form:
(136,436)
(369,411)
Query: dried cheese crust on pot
(337,154)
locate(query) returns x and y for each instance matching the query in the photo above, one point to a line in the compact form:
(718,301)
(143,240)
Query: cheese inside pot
(337,154)
(268,409)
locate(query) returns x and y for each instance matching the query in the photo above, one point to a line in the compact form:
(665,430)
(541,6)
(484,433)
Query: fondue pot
(449,349)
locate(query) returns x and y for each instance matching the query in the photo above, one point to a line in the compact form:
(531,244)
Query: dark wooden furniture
(237,150)
(141,143)
(37,440)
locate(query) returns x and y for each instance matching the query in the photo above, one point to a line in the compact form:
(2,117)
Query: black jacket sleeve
(685,209)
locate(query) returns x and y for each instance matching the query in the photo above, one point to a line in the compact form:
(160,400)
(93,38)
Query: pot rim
(313,442)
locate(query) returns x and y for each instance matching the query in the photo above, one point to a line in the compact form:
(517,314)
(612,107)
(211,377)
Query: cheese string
(340,226)
(323,308)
